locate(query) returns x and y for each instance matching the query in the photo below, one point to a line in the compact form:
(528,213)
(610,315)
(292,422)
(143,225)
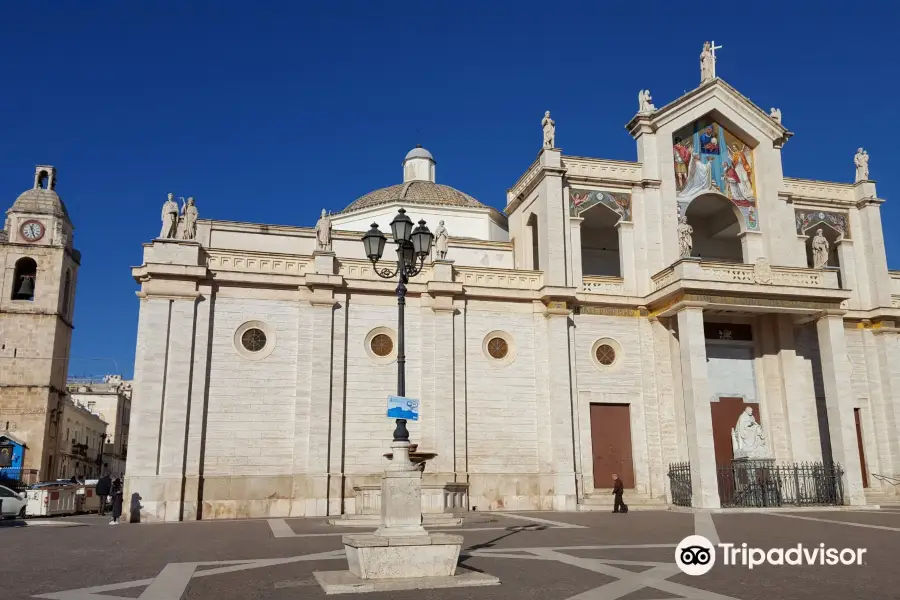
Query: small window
(382,345)
(253,340)
(606,355)
(498,348)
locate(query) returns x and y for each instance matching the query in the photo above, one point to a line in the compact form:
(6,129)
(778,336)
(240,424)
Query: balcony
(602,284)
(761,279)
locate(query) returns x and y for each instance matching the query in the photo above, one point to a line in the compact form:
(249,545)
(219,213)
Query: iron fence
(754,484)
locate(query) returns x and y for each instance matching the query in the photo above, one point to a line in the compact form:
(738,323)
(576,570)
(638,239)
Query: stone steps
(605,501)
(428,520)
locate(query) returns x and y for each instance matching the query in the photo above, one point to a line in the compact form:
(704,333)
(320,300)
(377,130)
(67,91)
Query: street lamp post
(413,246)
(100,455)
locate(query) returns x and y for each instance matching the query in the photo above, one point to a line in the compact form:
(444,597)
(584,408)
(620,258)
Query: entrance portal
(611,442)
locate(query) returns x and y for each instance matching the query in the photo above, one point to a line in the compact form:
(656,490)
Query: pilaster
(561,447)
(577,271)
(847,260)
(798,409)
(772,393)
(752,245)
(553,219)
(839,404)
(873,238)
(883,367)
(650,401)
(627,265)
(698,418)
(197,400)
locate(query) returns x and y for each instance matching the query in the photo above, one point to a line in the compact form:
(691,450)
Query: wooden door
(860,446)
(611,442)
(725,414)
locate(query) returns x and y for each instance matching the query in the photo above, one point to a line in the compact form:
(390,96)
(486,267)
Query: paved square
(566,556)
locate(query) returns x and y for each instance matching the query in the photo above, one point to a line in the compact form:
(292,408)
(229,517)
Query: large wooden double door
(611,444)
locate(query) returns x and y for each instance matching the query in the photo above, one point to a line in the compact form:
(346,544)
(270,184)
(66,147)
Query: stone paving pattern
(58,556)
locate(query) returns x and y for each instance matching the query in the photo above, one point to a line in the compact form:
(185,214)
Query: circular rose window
(253,340)
(382,345)
(498,348)
(606,354)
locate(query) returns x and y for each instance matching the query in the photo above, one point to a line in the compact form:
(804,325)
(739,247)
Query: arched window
(716,228)
(66,291)
(24,279)
(43,180)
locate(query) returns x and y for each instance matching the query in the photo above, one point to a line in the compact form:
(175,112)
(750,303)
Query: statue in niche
(549,126)
(169,219)
(820,250)
(441,241)
(775,114)
(189,219)
(323,233)
(645,102)
(685,239)
(861,160)
(747,437)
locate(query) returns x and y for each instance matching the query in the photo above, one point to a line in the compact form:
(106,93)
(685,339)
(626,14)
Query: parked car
(13,503)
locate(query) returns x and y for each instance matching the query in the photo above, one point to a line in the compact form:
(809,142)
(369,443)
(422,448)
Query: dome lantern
(418,165)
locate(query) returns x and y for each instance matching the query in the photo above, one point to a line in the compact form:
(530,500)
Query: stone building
(81,433)
(37,297)
(618,317)
(110,399)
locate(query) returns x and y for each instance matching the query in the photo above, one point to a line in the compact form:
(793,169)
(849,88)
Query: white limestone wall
(731,370)
(808,386)
(367,430)
(620,384)
(501,407)
(249,430)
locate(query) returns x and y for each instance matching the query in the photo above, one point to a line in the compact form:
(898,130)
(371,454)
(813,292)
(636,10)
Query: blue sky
(269,111)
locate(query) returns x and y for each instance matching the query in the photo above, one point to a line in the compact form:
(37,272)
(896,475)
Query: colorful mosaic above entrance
(582,200)
(708,158)
(807,219)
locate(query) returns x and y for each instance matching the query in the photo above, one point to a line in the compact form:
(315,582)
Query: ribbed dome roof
(416,192)
(40,201)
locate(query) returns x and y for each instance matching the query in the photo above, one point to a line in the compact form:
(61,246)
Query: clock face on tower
(32,230)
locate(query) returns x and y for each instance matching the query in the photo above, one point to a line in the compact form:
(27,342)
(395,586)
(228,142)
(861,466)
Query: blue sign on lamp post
(400,407)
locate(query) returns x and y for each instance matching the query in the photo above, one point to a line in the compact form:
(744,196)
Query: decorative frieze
(823,190)
(582,200)
(499,278)
(602,169)
(248,262)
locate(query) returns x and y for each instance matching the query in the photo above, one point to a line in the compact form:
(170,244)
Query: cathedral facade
(616,317)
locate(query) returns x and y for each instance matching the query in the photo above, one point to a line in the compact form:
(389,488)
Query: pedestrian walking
(618,490)
(116,494)
(104,487)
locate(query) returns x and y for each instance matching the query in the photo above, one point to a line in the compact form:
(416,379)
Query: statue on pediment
(775,114)
(323,233)
(441,241)
(169,218)
(645,102)
(549,126)
(861,160)
(189,216)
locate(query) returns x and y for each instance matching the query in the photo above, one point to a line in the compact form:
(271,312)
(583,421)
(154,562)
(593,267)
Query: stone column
(839,404)
(798,409)
(577,271)
(847,262)
(626,256)
(553,219)
(561,447)
(753,246)
(697,415)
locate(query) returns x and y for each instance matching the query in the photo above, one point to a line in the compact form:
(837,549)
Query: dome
(42,202)
(416,192)
(419,152)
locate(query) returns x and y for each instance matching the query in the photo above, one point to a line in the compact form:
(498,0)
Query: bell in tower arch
(26,288)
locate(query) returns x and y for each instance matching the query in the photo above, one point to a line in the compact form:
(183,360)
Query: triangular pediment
(723,103)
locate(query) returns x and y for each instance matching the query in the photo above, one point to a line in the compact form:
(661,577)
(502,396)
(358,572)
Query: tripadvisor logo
(696,555)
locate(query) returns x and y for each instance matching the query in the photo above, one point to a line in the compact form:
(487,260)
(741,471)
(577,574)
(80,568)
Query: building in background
(82,434)
(110,398)
(38,277)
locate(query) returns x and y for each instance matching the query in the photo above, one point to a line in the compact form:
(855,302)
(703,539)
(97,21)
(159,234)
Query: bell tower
(38,275)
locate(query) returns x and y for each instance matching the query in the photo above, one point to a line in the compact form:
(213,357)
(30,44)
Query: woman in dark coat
(116,494)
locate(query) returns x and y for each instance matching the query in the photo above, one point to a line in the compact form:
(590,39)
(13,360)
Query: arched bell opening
(23,279)
(717,226)
(600,244)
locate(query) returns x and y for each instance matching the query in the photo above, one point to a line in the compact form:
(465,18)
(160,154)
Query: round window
(382,345)
(498,348)
(606,354)
(253,340)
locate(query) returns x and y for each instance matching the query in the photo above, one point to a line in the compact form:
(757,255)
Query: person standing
(104,487)
(618,490)
(116,494)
